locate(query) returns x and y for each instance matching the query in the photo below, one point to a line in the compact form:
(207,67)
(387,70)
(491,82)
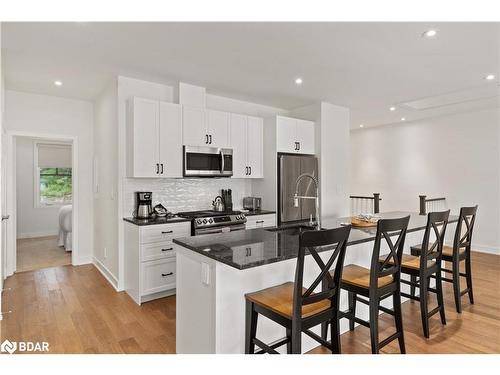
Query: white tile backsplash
(185,194)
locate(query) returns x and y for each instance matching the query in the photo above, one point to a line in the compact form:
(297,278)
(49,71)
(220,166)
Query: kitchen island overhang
(214,273)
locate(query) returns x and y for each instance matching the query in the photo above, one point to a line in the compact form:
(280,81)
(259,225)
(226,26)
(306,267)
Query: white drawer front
(261,221)
(157,276)
(157,250)
(164,232)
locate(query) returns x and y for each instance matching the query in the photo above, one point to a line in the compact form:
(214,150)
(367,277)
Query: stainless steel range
(206,222)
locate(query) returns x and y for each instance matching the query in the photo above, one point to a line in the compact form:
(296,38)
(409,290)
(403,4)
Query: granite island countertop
(270,245)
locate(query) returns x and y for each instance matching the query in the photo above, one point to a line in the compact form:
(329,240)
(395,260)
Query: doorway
(41,186)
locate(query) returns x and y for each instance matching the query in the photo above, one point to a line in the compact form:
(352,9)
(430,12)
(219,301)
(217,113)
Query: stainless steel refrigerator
(290,167)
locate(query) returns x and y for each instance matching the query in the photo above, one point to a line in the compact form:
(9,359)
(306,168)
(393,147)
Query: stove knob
(238,217)
(210,220)
(242,216)
(198,221)
(204,221)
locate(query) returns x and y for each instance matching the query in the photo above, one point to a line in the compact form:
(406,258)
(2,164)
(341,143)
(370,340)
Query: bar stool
(461,251)
(381,281)
(299,309)
(425,266)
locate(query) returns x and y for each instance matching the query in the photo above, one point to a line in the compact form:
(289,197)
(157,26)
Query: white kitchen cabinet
(295,136)
(248,253)
(205,127)
(247,144)
(194,127)
(217,128)
(154,139)
(150,257)
(260,221)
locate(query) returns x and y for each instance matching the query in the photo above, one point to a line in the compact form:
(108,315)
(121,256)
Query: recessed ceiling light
(430,33)
(490,77)
(403,119)
(392,108)
(361,125)
(58,83)
(298,81)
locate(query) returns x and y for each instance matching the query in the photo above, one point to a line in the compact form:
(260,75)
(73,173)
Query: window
(53,177)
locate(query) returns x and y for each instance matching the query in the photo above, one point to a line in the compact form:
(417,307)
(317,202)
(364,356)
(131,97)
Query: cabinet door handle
(157,168)
(210,136)
(167,232)
(167,274)
(296,145)
(161,168)
(250,168)
(167,249)
(299,145)
(259,222)
(246,171)
(206,140)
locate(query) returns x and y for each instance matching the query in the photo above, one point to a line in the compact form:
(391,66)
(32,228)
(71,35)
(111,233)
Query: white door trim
(10,266)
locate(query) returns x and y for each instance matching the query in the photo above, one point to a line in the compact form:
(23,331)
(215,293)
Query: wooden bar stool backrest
(437,223)
(467,217)
(309,241)
(392,263)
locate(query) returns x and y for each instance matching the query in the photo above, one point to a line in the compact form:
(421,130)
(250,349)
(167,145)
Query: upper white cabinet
(154,139)
(205,127)
(295,135)
(247,144)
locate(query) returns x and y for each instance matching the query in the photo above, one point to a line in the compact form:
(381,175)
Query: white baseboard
(46,233)
(82,260)
(106,273)
(486,249)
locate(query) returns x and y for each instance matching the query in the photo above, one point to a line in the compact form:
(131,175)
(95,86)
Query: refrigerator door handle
(282,198)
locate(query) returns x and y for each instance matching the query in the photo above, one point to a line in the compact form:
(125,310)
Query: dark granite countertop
(258,212)
(154,220)
(267,246)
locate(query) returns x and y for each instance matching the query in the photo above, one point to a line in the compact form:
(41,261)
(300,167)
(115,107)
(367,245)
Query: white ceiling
(364,66)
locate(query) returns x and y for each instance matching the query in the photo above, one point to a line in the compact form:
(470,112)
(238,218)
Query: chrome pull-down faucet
(296,197)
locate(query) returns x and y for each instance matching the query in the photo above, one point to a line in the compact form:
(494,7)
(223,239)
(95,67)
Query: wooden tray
(356,223)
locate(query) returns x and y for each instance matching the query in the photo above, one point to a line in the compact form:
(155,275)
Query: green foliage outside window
(55,185)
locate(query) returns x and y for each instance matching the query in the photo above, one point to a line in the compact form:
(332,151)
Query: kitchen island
(214,272)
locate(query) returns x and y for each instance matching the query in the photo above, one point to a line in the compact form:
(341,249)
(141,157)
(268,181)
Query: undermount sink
(292,231)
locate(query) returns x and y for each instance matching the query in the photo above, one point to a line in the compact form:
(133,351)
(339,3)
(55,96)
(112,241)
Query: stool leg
(296,344)
(335,331)
(324,330)
(413,280)
(352,308)
(398,319)
(439,294)
(289,343)
(374,303)
(423,305)
(250,327)
(456,283)
(468,272)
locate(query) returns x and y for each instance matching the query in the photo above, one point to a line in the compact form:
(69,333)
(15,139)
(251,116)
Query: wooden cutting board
(356,223)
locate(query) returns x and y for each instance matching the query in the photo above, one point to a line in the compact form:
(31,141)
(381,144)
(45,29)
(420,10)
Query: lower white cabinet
(150,259)
(260,221)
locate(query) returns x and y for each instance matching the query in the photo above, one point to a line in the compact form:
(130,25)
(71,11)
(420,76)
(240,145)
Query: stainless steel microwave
(207,161)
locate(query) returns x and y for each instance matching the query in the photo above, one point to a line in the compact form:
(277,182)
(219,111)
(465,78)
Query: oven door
(229,228)
(207,162)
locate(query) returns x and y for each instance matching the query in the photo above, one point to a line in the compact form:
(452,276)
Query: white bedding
(65,227)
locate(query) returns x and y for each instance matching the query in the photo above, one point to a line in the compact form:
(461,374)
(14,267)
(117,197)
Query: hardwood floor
(77,311)
(40,252)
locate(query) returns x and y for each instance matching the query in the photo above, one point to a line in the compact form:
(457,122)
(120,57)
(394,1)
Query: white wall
(2,197)
(454,156)
(106,181)
(31,221)
(56,116)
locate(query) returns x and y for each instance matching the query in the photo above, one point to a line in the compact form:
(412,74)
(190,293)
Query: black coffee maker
(143,204)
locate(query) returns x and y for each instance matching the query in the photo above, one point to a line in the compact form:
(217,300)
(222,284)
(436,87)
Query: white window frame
(36,180)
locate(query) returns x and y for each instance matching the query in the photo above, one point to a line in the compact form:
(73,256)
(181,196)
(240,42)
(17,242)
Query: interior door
(218,128)
(170,140)
(194,128)
(255,146)
(307,187)
(286,134)
(146,130)
(238,127)
(289,172)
